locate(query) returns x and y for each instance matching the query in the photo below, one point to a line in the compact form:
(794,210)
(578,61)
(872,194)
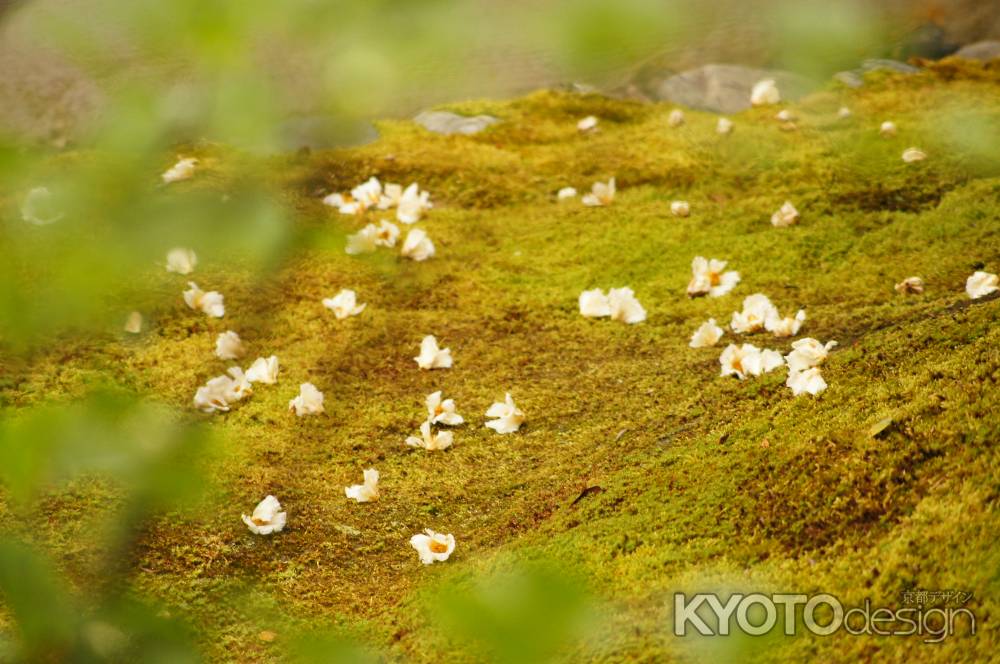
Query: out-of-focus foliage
(152,459)
(530,614)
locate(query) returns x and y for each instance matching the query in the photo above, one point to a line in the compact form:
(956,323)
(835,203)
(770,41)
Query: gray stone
(855,78)
(726,88)
(881,64)
(984,51)
(448,123)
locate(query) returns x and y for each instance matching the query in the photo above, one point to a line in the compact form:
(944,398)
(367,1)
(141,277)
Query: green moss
(707,482)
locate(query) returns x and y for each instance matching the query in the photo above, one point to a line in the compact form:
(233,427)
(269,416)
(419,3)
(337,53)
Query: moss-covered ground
(693,481)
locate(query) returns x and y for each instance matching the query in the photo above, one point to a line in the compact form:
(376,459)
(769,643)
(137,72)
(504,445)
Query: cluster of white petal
(785,216)
(680,208)
(430,440)
(505,416)
(765,93)
(748,360)
(410,203)
(601,194)
(229,346)
(431,355)
(182,170)
(708,278)
(221,392)
(708,334)
(369,238)
(267,517)
(344,304)
(981,284)
(367,491)
(442,411)
(181,260)
(910,286)
(433,547)
(308,402)
(588,123)
(804,375)
(758,313)
(619,304)
(209,303)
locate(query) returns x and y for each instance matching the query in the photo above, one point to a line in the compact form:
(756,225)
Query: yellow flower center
(714,278)
(438,547)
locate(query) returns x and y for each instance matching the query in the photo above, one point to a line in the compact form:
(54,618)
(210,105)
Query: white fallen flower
(264,370)
(429,440)
(133,324)
(624,306)
(442,411)
(431,356)
(220,392)
(808,381)
(417,245)
(412,204)
(784,115)
(748,360)
(344,304)
(267,517)
(708,334)
(887,128)
(911,155)
(211,397)
(367,491)
(757,308)
(344,204)
(843,113)
(309,401)
(38,207)
(181,260)
(680,208)
(229,346)
(708,278)
(508,418)
(601,193)
(765,92)
(566,192)
(676,118)
(724,126)
(784,327)
(368,194)
(807,353)
(386,234)
(182,170)
(240,386)
(910,285)
(210,303)
(433,547)
(364,241)
(785,216)
(391,195)
(587,123)
(981,284)
(594,304)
